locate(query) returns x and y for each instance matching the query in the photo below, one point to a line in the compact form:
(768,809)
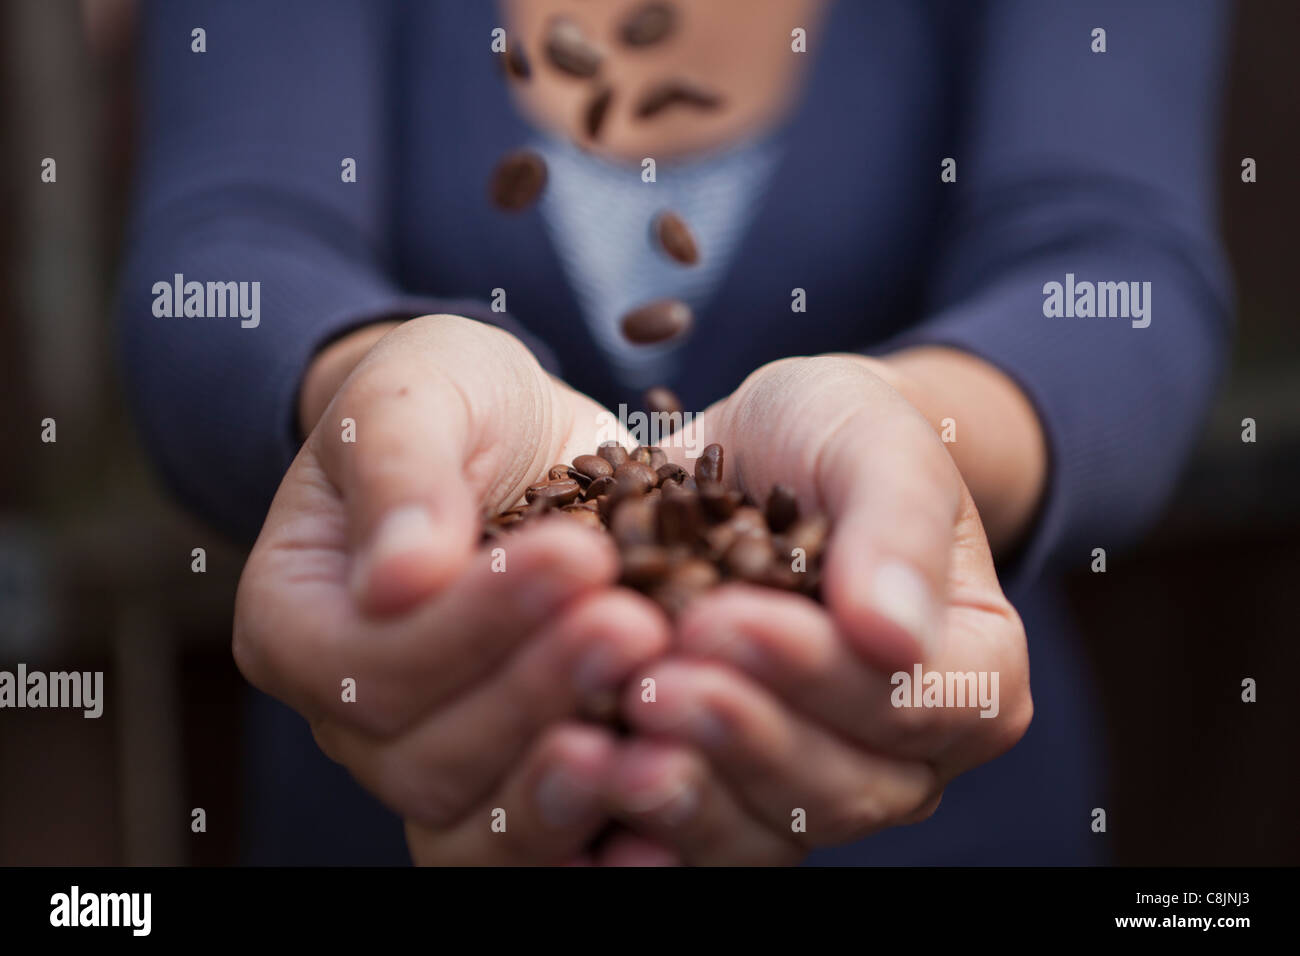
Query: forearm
(989,427)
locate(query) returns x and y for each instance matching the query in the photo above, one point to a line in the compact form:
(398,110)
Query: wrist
(989,427)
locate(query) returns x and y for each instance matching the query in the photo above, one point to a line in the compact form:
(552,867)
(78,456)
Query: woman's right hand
(448,687)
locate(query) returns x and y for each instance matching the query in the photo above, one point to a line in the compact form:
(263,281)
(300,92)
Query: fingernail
(706,728)
(403,530)
(562,800)
(672,804)
(718,643)
(539,593)
(900,593)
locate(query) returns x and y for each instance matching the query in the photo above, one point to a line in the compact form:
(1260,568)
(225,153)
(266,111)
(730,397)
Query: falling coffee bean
(675,238)
(648,24)
(657,321)
(569,50)
(517,65)
(676,92)
(661,401)
(593,116)
(518,180)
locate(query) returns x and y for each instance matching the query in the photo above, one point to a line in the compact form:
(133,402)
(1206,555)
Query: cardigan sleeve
(240,179)
(1098,166)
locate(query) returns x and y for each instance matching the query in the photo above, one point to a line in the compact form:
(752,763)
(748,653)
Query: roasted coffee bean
(678,92)
(593,466)
(599,487)
(632,522)
(557,472)
(782,508)
(517,65)
(648,24)
(518,180)
(641,565)
(642,454)
(612,452)
(749,557)
(718,503)
(658,458)
(808,534)
(675,238)
(708,467)
(585,516)
(557,492)
(687,581)
(569,50)
(540,505)
(719,539)
(662,402)
(749,520)
(657,321)
(593,117)
(694,573)
(636,475)
(670,472)
(678,518)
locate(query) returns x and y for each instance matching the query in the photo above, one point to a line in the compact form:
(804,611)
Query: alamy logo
(74,908)
(946,689)
(209,300)
(78,689)
(645,428)
(1102,300)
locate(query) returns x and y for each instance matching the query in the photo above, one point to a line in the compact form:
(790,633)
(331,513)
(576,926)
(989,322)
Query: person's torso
(844,229)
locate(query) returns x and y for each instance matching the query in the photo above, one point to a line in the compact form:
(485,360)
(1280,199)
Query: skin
(470,684)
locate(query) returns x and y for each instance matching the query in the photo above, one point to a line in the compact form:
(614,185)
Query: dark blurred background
(95,559)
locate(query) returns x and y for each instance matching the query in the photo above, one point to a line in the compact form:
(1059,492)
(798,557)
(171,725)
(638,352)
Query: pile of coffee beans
(678,535)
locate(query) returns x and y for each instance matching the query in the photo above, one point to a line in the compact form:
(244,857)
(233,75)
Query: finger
(776,762)
(395,445)
(624,848)
(455,757)
(402,668)
(893,496)
(545,813)
(791,646)
(669,794)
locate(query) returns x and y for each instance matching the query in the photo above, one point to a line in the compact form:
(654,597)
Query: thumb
(412,516)
(893,494)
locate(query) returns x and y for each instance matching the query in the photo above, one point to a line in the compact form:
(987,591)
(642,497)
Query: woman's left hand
(777,724)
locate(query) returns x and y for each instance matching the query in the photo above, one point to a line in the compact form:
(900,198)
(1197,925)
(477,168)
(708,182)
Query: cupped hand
(776,725)
(445,676)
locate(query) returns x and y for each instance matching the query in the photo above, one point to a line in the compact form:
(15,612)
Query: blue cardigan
(1069,162)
